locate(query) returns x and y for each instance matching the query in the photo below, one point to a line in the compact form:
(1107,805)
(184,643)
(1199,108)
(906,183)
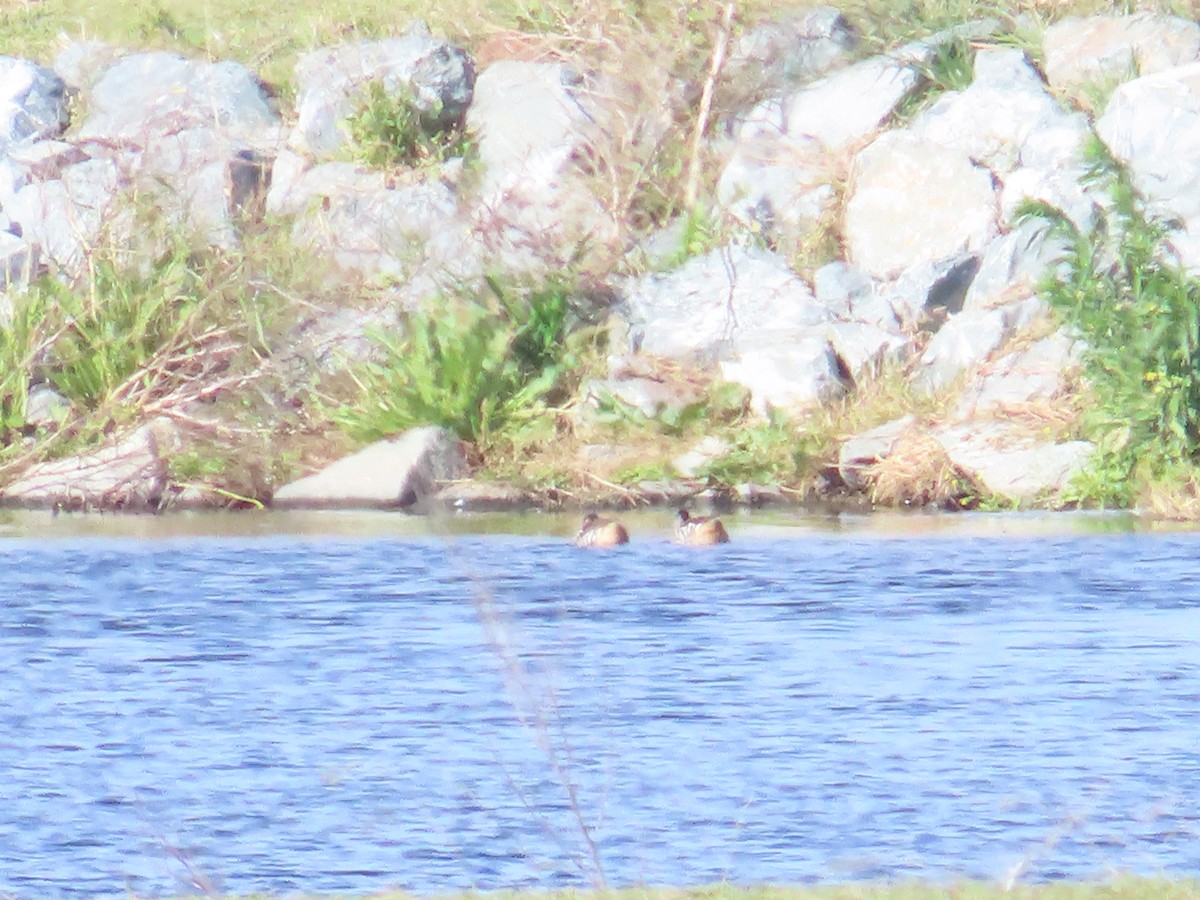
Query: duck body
(699,530)
(598,532)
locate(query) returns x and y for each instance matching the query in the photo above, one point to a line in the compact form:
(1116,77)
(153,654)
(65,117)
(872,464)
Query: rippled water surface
(386,706)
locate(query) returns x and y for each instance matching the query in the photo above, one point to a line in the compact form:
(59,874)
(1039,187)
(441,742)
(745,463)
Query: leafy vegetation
(1140,316)
(473,364)
(390,129)
(950,67)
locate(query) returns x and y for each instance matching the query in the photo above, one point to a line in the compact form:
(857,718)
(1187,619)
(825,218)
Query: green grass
(475,364)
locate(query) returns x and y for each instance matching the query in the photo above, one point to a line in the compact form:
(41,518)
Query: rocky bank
(937,277)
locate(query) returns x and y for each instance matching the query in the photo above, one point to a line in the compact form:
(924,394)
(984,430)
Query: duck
(699,530)
(598,532)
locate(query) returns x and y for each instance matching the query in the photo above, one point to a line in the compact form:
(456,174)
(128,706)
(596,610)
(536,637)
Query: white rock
(715,305)
(968,339)
(866,350)
(1014,265)
(392,473)
(65,218)
(437,77)
(1037,373)
(128,474)
(914,201)
(779,186)
(1008,464)
(993,119)
(792,377)
(1152,124)
(1079,51)
(841,110)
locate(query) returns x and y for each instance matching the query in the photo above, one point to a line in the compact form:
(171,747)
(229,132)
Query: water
(383,706)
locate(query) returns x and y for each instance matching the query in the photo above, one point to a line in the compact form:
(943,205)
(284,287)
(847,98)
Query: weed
(770,452)
(951,67)
(389,129)
(475,366)
(1140,316)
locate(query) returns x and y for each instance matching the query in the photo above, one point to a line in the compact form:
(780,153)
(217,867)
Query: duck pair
(689,529)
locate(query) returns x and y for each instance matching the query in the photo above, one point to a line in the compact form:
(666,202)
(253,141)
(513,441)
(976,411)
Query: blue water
(350,714)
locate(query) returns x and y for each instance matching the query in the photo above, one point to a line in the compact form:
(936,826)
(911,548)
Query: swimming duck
(598,532)
(699,530)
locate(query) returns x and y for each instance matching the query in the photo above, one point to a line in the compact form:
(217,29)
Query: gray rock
(128,474)
(436,76)
(367,227)
(537,209)
(849,294)
(915,201)
(780,187)
(792,377)
(392,473)
(926,293)
(33,102)
(866,350)
(1059,188)
(1099,48)
(81,64)
(1008,464)
(718,304)
(710,449)
(1152,124)
(839,111)
(1038,373)
(67,217)
(858,455)
(968,339)
(148,95)
(992,120)
(785,52)
(46,407)
(1014,265)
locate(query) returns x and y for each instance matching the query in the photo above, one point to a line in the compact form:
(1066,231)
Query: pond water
(350,703)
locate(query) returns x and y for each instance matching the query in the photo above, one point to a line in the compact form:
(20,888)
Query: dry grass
(916,473)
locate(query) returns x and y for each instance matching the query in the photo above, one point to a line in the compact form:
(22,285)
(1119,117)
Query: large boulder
(1152,124)
(1079,52)
(145,96)
(366,226)
(968,339)
(1019,381)
(913,201)
(65,218)
(130,473)
(789,377)
(717,305)
(839,111)
(1008,464)
(394,473)
(537,207)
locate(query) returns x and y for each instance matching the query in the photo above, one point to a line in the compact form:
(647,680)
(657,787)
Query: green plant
(763,452)
(1140,316)
(22,338)
(949,67)
(115,329)
(475,365)
(389,129)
